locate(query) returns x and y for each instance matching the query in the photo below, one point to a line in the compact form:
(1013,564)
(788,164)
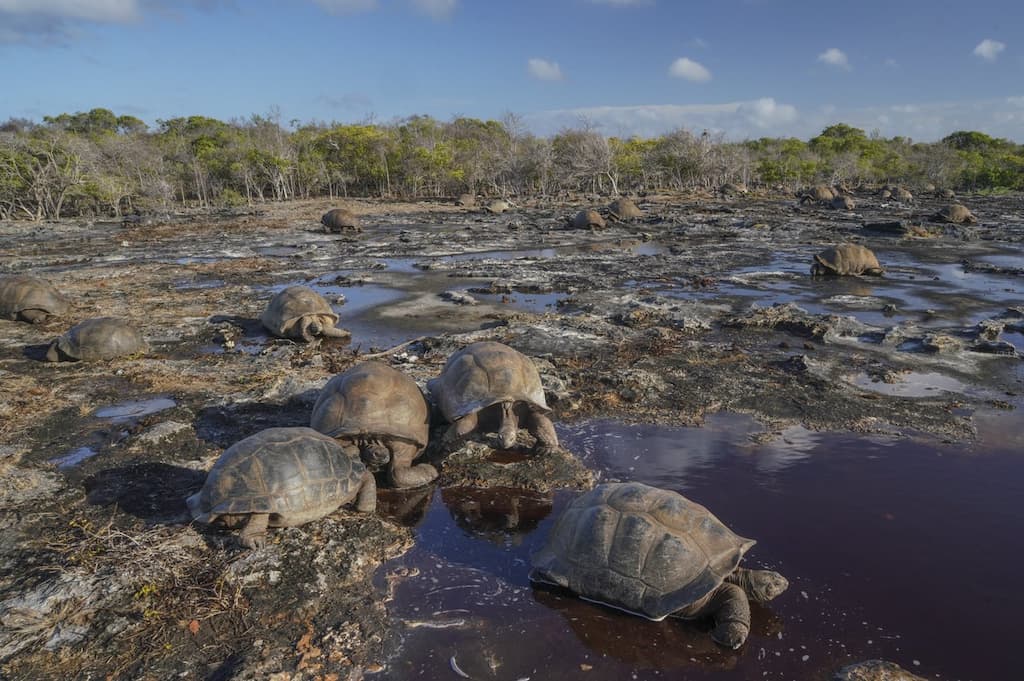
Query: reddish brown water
(895,549)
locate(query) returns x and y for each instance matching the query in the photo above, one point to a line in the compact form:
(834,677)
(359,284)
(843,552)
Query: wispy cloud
(989,49)
(438,9)
(767,113)
(347,6)
(689,70)
(833,56)
(543,69)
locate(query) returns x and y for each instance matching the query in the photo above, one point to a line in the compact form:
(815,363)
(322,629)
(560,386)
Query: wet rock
(53,613)
(996,347)
(459,298)
(874,670)
(941,343)
(477,465)
(163,431)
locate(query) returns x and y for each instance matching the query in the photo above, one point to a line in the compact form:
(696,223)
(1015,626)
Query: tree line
(97,163)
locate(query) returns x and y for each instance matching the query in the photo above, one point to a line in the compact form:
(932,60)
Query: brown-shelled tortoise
(498,207)
(30,299)
(281,477)
(902,195)
(842,202)
(655,553)
(846,259)
(341,220)
(490,385)
(97,339)
(379,415)
(957,213)
(300,313)
(623,209)
(467,200)
(820,193)
(587,219)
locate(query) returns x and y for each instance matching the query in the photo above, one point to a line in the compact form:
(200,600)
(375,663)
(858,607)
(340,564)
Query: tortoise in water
(655,553)
(378,414)
(819,194)
(281,477)
(956,213)
(340,220)
(497,207)
(846,259)
(30,299)
(588,219)
(624,209)
(468,200)
(300,313)
(842,202)
(96,339)
(489,383)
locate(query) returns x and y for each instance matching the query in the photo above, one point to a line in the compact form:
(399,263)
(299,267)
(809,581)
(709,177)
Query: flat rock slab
(477,465)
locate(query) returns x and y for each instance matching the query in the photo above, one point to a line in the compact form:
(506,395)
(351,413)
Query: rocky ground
(702,306)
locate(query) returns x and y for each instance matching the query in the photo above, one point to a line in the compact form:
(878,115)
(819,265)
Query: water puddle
(910,384)
(73,458)
(200,284)
(867,529)
(129,411)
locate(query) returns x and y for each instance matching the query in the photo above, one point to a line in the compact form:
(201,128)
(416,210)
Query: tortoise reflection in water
(654,553)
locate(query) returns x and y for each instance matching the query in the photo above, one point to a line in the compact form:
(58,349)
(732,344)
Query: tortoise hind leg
(402,473)
(254,533)
(366,498)
(729,608)
(540,427)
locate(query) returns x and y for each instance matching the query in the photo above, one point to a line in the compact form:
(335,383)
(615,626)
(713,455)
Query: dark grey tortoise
(846,259)
(378,414)
(340,220)
(281,477)
(97,339)
(25,298)
(490,385)
(655,553)
(623,209)
(300,313)
(588,219)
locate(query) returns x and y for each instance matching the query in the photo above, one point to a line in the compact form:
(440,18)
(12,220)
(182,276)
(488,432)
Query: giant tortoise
(655,553)
(378,414)
(300,313)
(624,209)
(30,299)
(499,206)
(96,339)
(587,219)
(489,384)
(340,220)
(846,259)
(281,477)
(957,213)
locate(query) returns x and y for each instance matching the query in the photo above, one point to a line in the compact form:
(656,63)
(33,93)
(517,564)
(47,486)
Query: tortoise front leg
(254,533)
(458,431)
(540,427)
(402,473)
(366,498)
(730,610)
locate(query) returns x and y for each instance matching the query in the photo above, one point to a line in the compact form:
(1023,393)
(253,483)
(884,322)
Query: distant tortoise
(885,194)
(281,477)
(956,213)
(300,313)
(490,384)
(497,207)
(902,195)
(588,219)
(378,414)
(30,299)
(468,200)
(96,339)
(624,209)
(655,553)
(846,259)
(818,194)
(732,189)
(842,202)
(947,194)
(340,220)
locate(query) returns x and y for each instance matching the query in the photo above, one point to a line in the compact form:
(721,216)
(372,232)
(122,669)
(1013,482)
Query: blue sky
(746,68)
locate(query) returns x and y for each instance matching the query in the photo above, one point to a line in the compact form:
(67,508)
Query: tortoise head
(821,268)
(374,454)
(310,327)
(509,426)
(766,584)
(53,354)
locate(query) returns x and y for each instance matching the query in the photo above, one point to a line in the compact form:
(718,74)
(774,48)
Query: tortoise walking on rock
(489,383)
(30,299)
(818,194)
(378,414)
(497,207)
(655,553)
(300,313)
(340,220)
(96,339)
(957,213)
(624,209)
(588,219)
(846,259)
(281,477)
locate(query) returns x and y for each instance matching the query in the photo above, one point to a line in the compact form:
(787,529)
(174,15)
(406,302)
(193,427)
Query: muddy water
(895,549)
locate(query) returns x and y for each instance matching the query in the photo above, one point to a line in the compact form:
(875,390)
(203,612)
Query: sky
(742,68)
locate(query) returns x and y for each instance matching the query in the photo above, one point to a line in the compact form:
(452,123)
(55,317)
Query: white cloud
(436,8)
(543,69)
(767,113)
(833,56)
(100,11)
(989,49)
(347,6)
(690,70)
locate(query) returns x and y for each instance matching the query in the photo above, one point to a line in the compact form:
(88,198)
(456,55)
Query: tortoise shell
(497,207)
(98,339)
(340,220)
(295,474)
(24,292)
(290,305)
(642,549)
(956,213)
(624,209)
(846,259)
(372,399)
(588,218)
(486,373)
